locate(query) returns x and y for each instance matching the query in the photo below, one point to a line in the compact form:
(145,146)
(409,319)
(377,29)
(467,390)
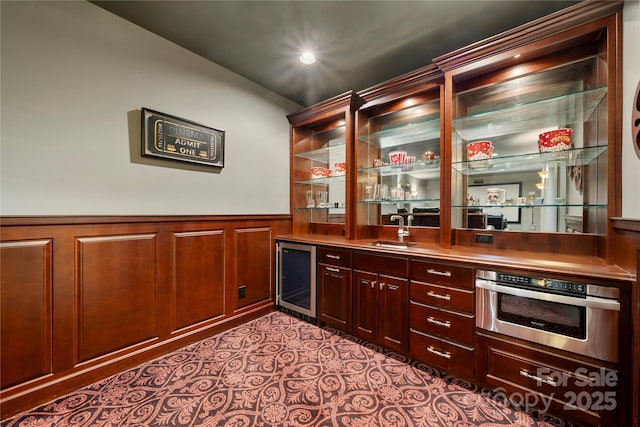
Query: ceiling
(358,43)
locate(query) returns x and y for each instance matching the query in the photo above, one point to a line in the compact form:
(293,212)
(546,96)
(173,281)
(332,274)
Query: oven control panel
(534,283)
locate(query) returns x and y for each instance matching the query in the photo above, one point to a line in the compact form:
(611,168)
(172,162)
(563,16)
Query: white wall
(630,79)
(73,80)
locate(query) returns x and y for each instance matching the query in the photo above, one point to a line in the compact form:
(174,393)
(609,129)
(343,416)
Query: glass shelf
(525,206)
(395,202)
(405,168)
(315,208)
(552,112)
(529,162)
(325,154)
(327,180)
(406,134)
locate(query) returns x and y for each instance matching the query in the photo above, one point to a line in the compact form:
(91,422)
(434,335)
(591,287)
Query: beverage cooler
(296,278)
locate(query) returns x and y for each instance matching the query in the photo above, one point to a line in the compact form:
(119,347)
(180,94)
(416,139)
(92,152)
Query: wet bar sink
(392,244)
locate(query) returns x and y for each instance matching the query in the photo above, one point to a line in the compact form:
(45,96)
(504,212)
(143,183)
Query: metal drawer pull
(382,285)
(526,374)
(435,295)
(373,284)
(439,322)
(335,270)
(444,354)
(332,256)
(593,382)
(439,273)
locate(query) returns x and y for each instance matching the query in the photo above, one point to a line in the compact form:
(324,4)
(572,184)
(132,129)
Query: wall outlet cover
(484,238)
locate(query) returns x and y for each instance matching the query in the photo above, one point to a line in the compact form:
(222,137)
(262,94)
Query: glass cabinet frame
(525,85)
(472,87)
(398,146)
(321,171)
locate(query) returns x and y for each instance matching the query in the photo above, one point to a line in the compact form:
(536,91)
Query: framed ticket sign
(173,138)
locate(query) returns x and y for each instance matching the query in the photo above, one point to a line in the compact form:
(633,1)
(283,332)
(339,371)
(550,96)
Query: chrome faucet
(402,232)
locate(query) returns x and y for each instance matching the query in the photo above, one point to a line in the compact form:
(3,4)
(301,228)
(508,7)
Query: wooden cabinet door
(334,296)
(365,305)
(253,265)
(393,315)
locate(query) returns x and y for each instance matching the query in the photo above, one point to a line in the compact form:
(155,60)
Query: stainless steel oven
(573,316)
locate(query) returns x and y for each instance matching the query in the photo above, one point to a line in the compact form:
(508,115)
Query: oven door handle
(590,302)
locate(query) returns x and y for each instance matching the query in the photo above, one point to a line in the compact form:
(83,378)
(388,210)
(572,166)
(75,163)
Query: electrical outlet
(242,291)
(484,238)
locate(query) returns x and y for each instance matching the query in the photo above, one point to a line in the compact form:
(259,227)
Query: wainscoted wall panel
(198,276)
(253,264)
(116,291)
(86,297)
(26,311)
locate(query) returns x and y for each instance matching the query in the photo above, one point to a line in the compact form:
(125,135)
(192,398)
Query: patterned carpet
(278,371)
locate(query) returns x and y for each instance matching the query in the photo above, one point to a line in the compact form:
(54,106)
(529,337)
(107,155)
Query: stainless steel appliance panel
(541,311)
(296,278)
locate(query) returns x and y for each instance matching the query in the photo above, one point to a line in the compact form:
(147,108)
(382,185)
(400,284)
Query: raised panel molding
(116,291)
(198,276)
(253,264)
(85,297)
(25,304)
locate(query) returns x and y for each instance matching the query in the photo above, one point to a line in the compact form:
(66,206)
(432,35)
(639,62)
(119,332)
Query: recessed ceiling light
(307,58)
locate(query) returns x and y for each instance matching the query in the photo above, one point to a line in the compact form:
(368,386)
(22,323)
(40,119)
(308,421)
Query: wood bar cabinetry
(380,289)
(560,73)
(322,165)
(334,287)
(580,390)
(441,315)
(398,148)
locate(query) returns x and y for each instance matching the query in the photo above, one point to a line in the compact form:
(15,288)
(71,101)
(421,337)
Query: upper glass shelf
(423,168)
(397,201)
(325,154)
(549,112)
(528,206)
(424,130)
(327,180)
(529,162)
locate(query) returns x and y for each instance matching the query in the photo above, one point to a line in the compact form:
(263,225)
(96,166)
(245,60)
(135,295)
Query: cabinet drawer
(447,324)
(442,296)
(391,266)
(442,274)
(448,356)
(587,391)
(333,256)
